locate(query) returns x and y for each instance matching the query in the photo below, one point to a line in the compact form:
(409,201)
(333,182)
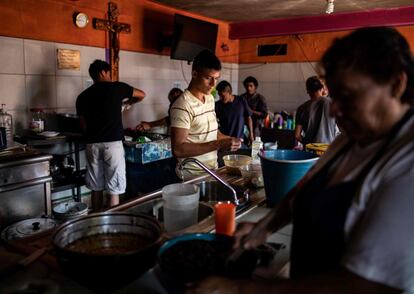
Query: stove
(25,184)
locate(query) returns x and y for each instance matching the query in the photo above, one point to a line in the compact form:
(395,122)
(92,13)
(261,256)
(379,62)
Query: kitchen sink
(213,191)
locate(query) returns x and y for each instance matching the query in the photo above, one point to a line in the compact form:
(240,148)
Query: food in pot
(109,244)
(191,260)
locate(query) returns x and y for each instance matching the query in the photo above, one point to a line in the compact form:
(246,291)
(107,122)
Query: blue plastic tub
(282,169)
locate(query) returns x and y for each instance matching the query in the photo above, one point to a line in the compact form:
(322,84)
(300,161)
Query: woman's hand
(143,126)
(243,237)
(216,285)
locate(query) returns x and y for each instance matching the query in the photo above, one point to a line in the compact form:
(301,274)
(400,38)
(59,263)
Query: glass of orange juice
(225,218)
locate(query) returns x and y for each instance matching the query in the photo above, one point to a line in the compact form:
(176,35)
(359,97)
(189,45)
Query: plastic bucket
(180,206)
(282,169)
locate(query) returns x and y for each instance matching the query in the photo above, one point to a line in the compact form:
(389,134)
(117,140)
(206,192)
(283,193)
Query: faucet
(190,159)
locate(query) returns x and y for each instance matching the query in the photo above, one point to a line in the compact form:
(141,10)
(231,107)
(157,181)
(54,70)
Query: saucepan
(106,251)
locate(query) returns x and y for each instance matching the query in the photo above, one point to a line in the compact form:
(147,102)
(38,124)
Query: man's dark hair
(174,94)
(206,60)
(224,86)
(313,84)
(96,67)
(380,53)
(250,79)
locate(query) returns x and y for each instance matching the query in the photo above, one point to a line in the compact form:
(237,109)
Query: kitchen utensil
(67,211)
(27,228)
(22,263)
(282,169)
(180,203)
(225,218)
(190,257)
(252,175)
(105,251)
(234,161)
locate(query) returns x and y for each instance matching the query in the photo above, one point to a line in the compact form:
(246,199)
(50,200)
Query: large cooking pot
(106,251)
(68,122)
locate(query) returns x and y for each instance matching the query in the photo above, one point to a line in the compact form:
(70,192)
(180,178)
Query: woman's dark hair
(206,60)
(381,53)
(96,67)
(313,84)
(251,79)
(224,86)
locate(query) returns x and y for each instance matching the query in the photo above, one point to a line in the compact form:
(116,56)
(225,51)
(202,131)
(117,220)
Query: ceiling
(249,10)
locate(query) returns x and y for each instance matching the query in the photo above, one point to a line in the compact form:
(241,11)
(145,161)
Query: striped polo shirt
(199,118)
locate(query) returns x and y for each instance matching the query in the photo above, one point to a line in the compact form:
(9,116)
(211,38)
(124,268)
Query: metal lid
(70,210)
(28,227)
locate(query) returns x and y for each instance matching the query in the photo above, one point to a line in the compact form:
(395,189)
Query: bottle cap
(258,139)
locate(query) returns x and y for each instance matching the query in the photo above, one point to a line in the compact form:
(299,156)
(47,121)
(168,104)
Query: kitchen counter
(49,272)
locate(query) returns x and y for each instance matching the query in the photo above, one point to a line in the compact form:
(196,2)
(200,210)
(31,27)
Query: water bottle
(256,146)
(6,121)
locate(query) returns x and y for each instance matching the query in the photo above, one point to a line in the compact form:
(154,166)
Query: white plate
(49,134)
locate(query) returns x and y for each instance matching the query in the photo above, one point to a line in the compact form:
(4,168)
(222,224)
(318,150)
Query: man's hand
(229,143)
(143,126)
(251,139)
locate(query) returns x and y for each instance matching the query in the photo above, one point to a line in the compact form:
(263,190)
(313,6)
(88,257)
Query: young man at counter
(194,129)
(233,113)
(99,108)
(312,117)
(257,103)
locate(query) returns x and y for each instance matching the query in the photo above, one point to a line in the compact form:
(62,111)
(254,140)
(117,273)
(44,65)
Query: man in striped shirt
(194,129)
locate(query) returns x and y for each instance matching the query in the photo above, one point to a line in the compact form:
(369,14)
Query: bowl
(191,257)
(234,161)
(252,175)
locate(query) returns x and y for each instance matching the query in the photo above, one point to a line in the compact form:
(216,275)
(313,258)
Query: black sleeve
(217,109)
(124,90)
(79,106)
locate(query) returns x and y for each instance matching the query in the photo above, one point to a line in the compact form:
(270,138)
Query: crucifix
(114,28)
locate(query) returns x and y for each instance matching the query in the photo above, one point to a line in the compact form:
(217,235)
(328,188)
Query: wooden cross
(114,28)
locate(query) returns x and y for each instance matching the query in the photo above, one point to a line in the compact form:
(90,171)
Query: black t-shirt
(100,105)
(232,115)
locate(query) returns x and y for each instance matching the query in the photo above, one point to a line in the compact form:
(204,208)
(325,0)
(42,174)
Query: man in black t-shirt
(99,108)
(233,113)
(256,102)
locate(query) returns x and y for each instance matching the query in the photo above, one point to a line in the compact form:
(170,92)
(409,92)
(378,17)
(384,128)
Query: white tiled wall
(283,84)
(29,78)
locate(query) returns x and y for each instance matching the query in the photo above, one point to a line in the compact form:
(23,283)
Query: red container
(225,218)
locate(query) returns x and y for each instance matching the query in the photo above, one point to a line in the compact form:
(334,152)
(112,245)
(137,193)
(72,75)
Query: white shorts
(105,167)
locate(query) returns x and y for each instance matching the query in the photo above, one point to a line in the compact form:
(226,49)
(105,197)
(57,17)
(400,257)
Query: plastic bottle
(6,121)
(256,146)
(289,124)
(37,123)
(280,126)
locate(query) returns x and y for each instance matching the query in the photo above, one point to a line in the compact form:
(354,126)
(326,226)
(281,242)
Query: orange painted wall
(51,20)
(301,48)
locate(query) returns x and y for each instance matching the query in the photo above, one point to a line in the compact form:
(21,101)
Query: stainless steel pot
(68,122)
(107,250)
(67,211)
